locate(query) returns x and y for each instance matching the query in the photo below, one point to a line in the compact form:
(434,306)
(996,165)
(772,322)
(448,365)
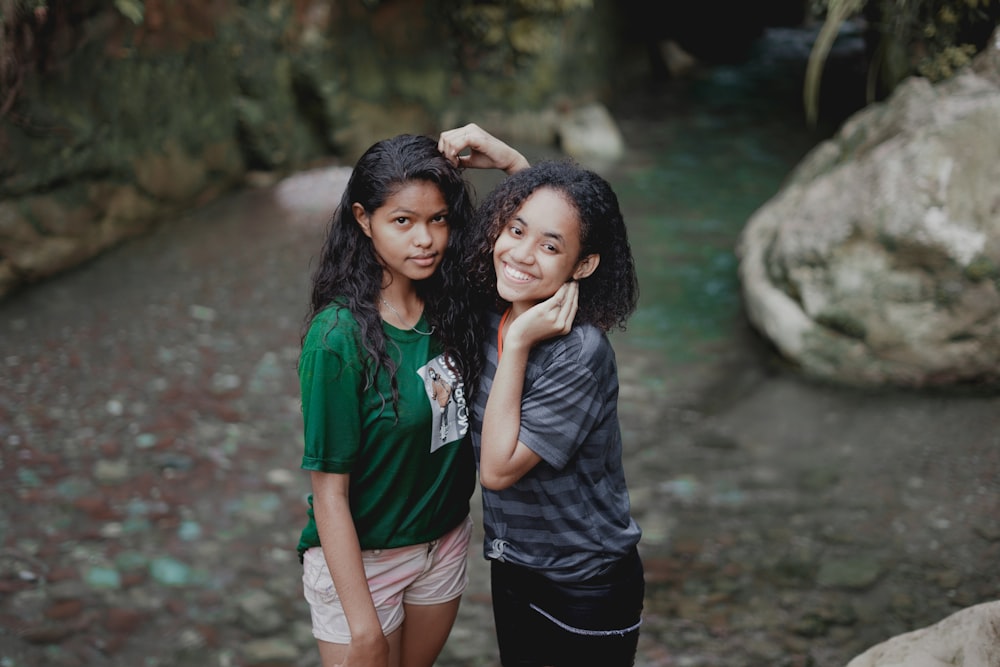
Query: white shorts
(420,574)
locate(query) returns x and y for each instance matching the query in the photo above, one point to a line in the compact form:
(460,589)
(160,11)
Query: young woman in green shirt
(389,356)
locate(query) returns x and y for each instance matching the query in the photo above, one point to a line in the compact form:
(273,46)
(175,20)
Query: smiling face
(538,250)
(409,231)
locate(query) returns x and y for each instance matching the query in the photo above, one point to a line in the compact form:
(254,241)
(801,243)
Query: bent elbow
(494,482)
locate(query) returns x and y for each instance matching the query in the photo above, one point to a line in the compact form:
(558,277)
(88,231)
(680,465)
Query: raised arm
(485,150)
(503,458)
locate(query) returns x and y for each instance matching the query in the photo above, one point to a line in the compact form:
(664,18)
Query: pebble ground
(149,450)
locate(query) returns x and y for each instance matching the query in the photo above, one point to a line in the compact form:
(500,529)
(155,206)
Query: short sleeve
(559,408)
(330,382)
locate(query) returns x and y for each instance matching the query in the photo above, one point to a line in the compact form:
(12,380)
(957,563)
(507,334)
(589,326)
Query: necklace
(414,328)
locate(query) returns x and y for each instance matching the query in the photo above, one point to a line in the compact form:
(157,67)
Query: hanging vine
(929,38)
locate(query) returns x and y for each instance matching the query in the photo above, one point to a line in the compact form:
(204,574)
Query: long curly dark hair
(609,295)
(349,272)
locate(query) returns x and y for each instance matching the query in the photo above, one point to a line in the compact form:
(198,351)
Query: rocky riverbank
(149,447)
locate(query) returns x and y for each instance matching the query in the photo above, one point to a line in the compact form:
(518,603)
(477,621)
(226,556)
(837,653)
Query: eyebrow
(550,235)
(411,212)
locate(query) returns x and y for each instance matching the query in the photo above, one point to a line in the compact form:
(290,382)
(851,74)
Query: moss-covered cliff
(119,113)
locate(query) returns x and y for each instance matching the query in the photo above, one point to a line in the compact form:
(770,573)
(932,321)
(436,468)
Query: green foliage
(28,31)
(20,23)
(982,268)
(929,38)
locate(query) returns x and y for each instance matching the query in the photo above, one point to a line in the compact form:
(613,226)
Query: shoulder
(583,341)
(585,344)
(334,327)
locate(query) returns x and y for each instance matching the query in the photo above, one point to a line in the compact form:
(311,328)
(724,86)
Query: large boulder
(967,638)
(878,262)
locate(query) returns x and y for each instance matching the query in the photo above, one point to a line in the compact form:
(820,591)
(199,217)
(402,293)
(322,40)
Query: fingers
(568,304)
(558,300)
(562,306)
(452,142)
(485,150)
(552,317)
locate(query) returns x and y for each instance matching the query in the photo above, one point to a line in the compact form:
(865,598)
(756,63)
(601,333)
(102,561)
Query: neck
(403,315)
(517,309)
(403,298)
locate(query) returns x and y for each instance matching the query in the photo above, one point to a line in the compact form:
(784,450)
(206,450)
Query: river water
(149,432)
(787,521)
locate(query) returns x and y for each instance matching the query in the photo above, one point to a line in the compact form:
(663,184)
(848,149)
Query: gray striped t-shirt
(568,518)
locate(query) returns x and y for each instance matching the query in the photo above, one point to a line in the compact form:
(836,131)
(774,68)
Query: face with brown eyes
(538,250)
(409,231)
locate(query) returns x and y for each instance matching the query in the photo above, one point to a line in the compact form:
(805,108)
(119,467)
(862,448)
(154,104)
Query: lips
(424,260)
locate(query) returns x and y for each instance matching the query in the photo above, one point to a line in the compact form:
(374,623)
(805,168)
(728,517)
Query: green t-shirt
(411,466)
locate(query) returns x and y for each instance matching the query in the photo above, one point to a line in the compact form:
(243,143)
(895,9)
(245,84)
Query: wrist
(516,345)
(518,163)
(373,637)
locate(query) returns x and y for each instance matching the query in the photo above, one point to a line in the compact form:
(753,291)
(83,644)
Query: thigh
(520,631)
(608,604)
(597,621)
(431,602)
(333,655)
(445,575)
(611,650)
(389,572)
(425,630)
(540,622)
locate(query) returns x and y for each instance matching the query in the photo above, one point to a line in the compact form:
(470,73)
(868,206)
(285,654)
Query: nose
(522,253)
(422,237)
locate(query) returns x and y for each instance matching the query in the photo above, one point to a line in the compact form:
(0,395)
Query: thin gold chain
(414,328)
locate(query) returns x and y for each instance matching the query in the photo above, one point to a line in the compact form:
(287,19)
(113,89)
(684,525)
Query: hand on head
(485,150)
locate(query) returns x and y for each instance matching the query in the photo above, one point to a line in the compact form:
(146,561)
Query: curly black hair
(349,272)
(609,295)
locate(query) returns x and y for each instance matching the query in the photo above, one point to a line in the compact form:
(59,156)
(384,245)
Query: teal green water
(702,155)
(692,178)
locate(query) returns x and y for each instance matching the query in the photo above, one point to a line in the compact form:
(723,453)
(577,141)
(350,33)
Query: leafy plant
(21,24)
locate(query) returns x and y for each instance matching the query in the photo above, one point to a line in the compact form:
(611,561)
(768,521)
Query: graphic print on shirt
(446,394)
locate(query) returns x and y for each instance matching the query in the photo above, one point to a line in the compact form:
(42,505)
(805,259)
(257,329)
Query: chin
(506,295)
(422,275)
(508,290)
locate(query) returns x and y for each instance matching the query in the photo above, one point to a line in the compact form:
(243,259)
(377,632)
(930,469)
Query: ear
(361,216)
(586,266)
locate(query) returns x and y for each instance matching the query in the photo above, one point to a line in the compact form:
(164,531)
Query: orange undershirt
(503,321)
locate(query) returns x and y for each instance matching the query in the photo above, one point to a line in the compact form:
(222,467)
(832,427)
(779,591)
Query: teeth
(515,274)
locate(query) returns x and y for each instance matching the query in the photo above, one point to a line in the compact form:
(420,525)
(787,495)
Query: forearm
(516,163)
(485,150)
(342,551)
(504,460)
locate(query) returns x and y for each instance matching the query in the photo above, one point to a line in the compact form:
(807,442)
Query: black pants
(592,622)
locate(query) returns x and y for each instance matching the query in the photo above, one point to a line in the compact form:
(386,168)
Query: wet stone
(103,578)
(64,609)
(170,571)
(853,573)
(122,620)
(260,613)
(269,651)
